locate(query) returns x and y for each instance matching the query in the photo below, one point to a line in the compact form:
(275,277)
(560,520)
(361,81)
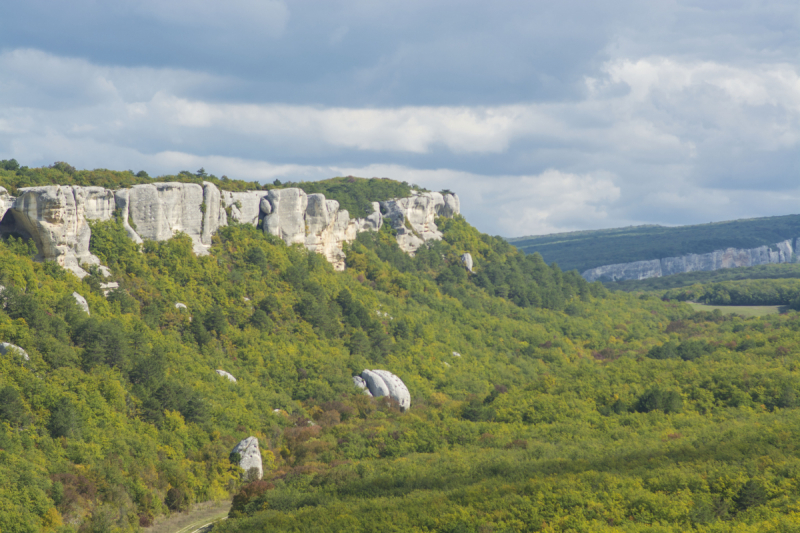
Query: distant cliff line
(716,260)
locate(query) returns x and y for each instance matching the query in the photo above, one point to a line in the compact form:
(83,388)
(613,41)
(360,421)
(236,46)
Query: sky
(543,116)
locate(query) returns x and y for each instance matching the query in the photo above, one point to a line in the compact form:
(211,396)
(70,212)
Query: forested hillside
(540,402)
(583,250)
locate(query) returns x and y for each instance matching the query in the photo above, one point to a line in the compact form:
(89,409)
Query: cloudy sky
(543,116)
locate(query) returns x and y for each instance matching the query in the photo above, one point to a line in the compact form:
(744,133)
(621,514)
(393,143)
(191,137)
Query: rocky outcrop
(158,211)
(287,219)
(413,218)
(226,375)
(359,382)
(7,347)
(249,457)
(467,260)
(384,383)
(56,217)
(82,303)
(728,258)
(315,222)
(246,207)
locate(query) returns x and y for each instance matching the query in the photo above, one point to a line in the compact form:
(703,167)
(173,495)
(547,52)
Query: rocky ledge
(56,217)
(728,258)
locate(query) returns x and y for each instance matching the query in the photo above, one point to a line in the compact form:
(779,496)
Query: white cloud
(636,148)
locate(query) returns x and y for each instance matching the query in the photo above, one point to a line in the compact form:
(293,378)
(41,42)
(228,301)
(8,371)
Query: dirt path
(196,520)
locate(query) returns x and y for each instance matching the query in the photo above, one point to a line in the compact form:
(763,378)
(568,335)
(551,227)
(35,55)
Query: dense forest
(745,292)
(582,250)
(540,402)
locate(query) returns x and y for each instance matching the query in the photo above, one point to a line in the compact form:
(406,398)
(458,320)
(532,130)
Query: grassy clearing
(743,310)
(193,520)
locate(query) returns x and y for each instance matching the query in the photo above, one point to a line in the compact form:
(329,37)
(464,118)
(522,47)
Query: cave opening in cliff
(14,234)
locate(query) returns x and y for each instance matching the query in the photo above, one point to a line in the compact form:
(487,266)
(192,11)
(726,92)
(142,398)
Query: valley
(534,399)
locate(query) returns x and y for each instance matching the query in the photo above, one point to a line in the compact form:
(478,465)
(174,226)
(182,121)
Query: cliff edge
(56,217)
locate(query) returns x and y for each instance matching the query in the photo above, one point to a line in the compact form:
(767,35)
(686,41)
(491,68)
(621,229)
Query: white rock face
(56,217)
(420,211)
(213,214)
(81,302)
(161,210)
(226,375)
(6,202)
(250,455)
(728,258)
(287,219)
(384,383)
(6,347)
(467,260)
(246,207)
(315,222)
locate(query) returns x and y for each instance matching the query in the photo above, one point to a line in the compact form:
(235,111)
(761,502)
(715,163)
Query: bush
(661,400)
(65,420)
(176,500)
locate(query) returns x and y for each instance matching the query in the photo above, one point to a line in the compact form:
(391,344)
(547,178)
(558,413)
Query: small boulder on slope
(81,302)
(6,347)
(226,375)
(466,258)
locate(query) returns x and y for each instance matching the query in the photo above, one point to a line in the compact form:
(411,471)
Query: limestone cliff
(56,217)
(728,258)
(414,217)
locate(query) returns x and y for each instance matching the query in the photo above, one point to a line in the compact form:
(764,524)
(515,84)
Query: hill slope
(539,401)
(583,250)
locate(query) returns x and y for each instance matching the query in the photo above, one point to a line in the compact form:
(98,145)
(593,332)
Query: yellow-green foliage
(564,410)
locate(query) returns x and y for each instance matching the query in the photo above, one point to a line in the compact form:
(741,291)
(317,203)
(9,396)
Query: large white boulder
(250,455)
(384,383)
